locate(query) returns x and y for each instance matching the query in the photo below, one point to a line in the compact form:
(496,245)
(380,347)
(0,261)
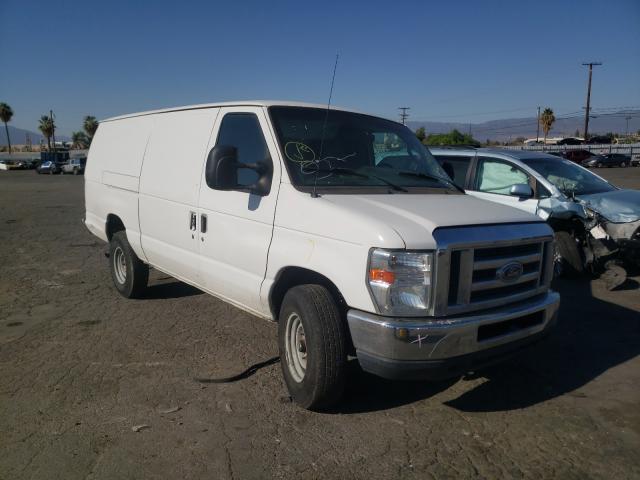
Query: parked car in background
(48,167)
(27,164)
(593,220)
(609,160)
(571,141)
(577,156)
(74,166)
(599,140)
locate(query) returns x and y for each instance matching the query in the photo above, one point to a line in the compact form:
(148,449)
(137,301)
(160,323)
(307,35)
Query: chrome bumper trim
(442,338)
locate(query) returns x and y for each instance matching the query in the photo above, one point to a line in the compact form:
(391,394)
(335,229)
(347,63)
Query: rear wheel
(51,171)
(75,171)
(129,273)
(598,165)
(623,164)
(313,347)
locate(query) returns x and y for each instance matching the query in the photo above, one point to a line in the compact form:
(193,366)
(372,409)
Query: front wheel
(568,260)
(313,347)
(623,164)
(129,273)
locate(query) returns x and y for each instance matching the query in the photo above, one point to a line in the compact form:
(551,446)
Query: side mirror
(521,190)
(221,171)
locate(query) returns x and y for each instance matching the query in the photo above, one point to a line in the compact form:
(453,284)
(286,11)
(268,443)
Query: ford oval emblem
(509,272)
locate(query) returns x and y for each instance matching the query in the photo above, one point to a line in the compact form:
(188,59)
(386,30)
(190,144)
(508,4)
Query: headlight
(400,281)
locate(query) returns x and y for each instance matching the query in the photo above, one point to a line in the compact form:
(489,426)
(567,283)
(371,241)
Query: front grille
(508,266)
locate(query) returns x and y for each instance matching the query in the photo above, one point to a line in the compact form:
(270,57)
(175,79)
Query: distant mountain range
(507,128)
(19,136)
(501,130)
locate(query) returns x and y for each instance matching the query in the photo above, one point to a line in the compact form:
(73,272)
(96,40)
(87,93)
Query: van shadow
(591,336)
(173,289)
(369,393)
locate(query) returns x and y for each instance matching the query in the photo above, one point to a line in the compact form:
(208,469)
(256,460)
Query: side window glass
(542,191)
(455,166)
(497,176)
(242,130)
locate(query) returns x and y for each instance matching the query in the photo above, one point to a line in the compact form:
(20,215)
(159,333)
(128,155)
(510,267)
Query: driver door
(493,181)
(236,226)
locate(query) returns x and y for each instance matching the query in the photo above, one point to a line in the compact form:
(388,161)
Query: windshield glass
(355,151)
(568,177)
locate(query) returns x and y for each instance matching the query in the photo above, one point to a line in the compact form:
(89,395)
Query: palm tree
(546,121)
(90,126)
(47,127)
(79,140)
(5,115)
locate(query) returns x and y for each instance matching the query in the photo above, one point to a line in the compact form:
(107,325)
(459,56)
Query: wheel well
(290,277)
(573,225)
(114,224)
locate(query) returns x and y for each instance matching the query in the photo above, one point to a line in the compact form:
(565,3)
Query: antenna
(324,125)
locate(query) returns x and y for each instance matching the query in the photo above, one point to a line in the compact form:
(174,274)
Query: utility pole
(404,115)
(627,119)
(538,131)
(586,116)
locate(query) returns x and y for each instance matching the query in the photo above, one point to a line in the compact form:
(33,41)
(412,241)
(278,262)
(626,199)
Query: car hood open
(618,206)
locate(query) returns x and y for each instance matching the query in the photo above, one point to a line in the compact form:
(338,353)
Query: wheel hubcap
(120,265)
(296,347)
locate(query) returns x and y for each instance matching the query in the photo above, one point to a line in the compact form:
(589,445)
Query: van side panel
(169,186)
(112,176)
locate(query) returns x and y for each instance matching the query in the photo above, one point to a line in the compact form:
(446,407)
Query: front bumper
(436,348)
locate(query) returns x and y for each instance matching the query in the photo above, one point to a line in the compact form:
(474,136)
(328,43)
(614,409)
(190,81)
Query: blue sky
(450,61)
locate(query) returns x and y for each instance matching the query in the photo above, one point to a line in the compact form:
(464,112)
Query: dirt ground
(80,367)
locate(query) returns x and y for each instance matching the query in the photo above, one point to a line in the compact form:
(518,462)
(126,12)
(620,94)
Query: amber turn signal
(379,275)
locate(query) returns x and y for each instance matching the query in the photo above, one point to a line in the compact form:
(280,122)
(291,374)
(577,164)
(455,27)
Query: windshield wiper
(355,173)
(432,177)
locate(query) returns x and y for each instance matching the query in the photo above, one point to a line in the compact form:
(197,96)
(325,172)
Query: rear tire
(598,165)
(313,347)
(568,259)
(75,171)
(623,164)
(129,273)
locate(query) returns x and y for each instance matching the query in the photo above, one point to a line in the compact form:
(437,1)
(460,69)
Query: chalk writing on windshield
(304,155)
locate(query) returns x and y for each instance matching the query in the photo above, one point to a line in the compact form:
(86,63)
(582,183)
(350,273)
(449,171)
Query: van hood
(415,217)
(617,206)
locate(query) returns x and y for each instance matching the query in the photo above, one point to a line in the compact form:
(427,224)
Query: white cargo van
(338,225)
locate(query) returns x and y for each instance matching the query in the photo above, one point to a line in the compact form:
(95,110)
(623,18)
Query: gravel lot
(81,367)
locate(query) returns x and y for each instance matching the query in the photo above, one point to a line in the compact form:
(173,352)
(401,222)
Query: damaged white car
(597,225)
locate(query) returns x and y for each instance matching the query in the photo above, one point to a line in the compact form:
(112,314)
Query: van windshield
(343,149)
(569,178)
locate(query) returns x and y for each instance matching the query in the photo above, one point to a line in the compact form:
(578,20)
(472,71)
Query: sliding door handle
(203,223)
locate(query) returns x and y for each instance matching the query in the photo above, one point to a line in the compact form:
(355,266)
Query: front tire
(128,272)
(313,347)
(568,260)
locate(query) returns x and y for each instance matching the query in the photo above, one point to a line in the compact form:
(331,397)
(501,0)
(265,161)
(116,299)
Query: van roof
(241,103)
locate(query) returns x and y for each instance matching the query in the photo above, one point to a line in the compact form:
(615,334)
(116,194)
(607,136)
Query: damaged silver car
(597,225)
